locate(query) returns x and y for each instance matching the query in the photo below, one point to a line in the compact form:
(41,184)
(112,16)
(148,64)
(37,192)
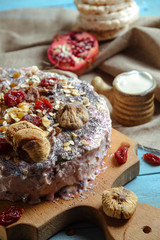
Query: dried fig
(28,141)
(32,142)
(13,128)
(72,116)
(119,202)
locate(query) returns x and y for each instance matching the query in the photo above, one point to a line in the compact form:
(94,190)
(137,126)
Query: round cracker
(93,9)
(104,2)
(131,15)
(110,34)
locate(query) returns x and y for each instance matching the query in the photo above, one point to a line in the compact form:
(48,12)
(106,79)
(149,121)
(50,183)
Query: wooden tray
(39,222)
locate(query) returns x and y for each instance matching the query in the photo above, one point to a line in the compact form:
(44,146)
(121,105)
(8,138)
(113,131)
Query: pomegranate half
(74,52)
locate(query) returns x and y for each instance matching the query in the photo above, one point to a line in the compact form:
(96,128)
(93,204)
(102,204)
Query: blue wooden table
(146,185)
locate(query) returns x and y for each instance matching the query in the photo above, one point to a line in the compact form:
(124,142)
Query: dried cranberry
(43,104)
(32,119)
(121,154)
(152,158)
(45,82)
(4,146)
(14,97)
(11,215)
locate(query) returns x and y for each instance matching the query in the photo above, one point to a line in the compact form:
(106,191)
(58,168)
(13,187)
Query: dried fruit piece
(15,127)
(119,202)
(32,94)
(11,215)
(31,144)
(43,104)
(121,154)
(28,141)
(152,158)
(16,75)
(46,82)
(5,147)
(72,116)
(14,97)
(32,119)
(74,51)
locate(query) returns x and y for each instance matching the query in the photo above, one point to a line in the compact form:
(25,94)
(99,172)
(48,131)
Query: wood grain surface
(43,220)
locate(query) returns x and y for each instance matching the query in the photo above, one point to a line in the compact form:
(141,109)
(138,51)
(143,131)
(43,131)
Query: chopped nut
(56,125)
(72,116)
(56,107)
(50,129)
(5,124)
(51,114)
(86,101)
(84,142)
(67,149)
(44,112)
(83,93)
(75,92)
(73,134)
(67,90)
(46,122)
(66,144)
(1,96)
(71,142)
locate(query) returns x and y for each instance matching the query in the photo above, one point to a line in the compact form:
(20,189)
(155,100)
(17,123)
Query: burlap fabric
(25,36)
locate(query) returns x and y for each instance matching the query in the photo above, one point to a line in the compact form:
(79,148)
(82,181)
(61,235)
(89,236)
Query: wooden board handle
(143,225)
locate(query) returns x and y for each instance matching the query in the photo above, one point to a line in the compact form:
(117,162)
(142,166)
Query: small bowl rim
(149,90)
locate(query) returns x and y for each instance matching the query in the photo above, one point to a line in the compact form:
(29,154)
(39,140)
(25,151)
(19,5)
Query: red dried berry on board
(4,146)
(13,97)
(121,154)
(46,82)
(152,158)
(74,52)
(11,215)
(36,120)
(43,104)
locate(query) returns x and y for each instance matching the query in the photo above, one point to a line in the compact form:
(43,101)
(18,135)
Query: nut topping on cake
(28,140)
(72,116)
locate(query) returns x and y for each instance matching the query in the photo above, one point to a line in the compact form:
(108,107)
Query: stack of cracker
(131,108)
(106,19)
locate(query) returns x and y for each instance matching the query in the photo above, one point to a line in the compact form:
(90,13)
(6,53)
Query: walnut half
(72,116)
(28,141)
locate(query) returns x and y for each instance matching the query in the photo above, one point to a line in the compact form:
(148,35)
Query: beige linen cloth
(25,36)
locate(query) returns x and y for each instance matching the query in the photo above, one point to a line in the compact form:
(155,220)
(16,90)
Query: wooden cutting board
(39,222)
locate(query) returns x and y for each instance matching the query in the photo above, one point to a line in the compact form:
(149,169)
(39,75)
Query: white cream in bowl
(134,82)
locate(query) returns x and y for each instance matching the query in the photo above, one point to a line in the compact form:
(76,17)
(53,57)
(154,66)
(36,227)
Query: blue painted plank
(82,231)
(146,168)
(146,188)
(147,8)
(13,4)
